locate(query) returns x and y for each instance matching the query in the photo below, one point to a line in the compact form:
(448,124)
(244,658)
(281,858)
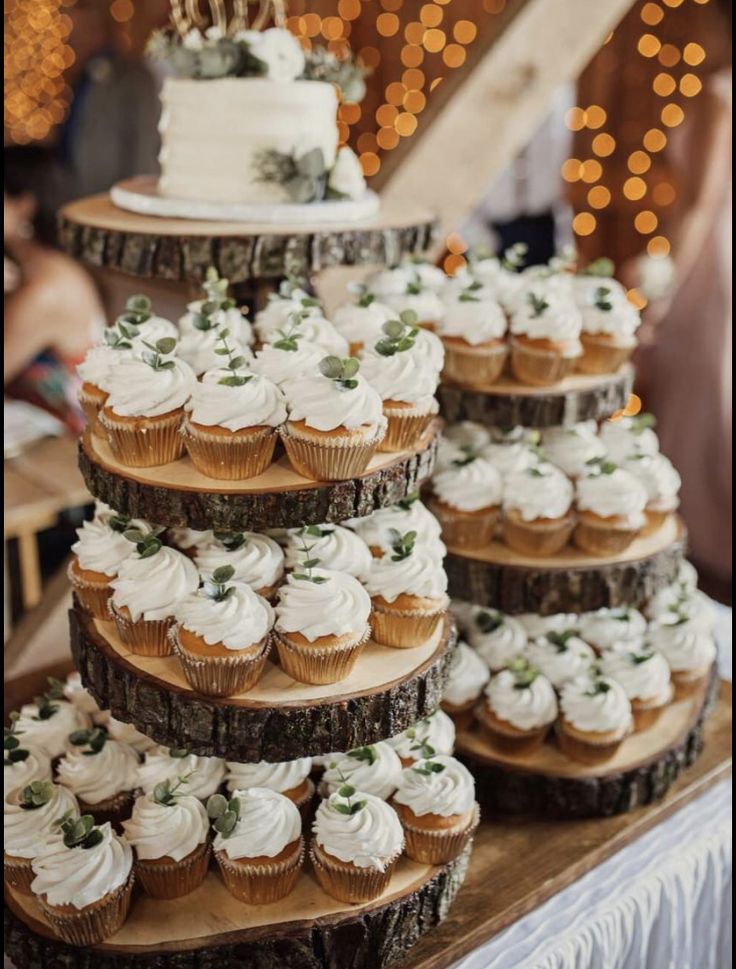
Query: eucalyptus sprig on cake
(307,177)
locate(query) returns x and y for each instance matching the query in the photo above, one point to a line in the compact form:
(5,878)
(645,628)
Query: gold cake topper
(187,15)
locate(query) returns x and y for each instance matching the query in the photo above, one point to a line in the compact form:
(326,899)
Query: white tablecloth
(663,902)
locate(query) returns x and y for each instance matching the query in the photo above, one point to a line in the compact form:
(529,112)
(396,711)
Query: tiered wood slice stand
(546,782)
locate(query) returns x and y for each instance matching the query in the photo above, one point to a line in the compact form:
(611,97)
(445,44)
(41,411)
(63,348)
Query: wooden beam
(495,110)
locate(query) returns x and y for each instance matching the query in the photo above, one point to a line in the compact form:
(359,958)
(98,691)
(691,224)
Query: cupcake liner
(688,683)
(508,739)
(94,923)
(332,459)
(438,847)
(92,598)
(148,443)
(601,355)
(463,529)
(113,809)
(405,429)
(474,364)
(319,665)
(537,366)
(18,873)
(538,538)
(91,404)
(590,751)
(221,675)
(602,539)
(146,637)
(348,883)
(229,459)
(260,884)
(404,628)
(172,879)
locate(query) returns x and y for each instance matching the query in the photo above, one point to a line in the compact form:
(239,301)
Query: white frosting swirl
(370,838)
(609,495)
(429,275)
(237,622)
(436,731)
(605,307)
(337,549)
(426,304)
(595,705)
(204,774)
(231,319)
(282,365)
(257,403)
(98,364)
(558,319)
(642,672)
(419,574)
(100,548)
(560,661)
(442,793)
(317,331)
(541,491)
(336,607)
(49,734)
(283,776)
(171,830)
(186,539)
(151,587)
(465,434)
(199,349)
(267,823)
(676,601)
(570,448)
(474,316)
(96,777)
(376,529)
(658,475)
(510,457)
(469,486)
(491,272)
(605,627)
(137,390)
(370,770)
(29,832)
(126,733)
(82,699)
(467,676)
(259,561)
(362,324)
(275,314)
(684,646)
(528,707)
(321,404)
(497,638)
(153,329)
(626,436)
(405,376)
(81,876)
(535,625)
(35,767)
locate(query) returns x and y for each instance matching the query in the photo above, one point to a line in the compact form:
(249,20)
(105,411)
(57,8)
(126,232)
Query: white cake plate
(141,195)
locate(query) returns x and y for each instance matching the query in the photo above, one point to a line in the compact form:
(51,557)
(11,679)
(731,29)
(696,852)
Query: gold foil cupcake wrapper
(474,365)
(94,923)
(146,637)
(92,598)
(91,408)
(601,356)
(541,368)
(463,530)
(438,847)
(404,629)
(260,884)
(353,885)
(155,443)
(173,879)
(229,459)
(404,430)
(538,540)
(329,460)
(18,873)
(602,540)
(221,675)
(319,665)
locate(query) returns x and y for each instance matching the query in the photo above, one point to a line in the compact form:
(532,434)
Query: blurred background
(611,132)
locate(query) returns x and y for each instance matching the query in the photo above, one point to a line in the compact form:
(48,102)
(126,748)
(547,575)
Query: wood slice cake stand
(508,403)
(278,719)
(571,581)
(209,929)
(177,494)
(548,783)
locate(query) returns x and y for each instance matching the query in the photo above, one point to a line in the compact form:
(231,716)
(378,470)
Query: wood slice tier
(209,929)
(549,784)
(498,577)
(507,403)
(177,494)
(99,234)
(278,719)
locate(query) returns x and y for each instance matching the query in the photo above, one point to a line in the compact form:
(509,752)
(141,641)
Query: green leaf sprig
(514,257)
(231,541)
(400,335)
(46,705)
(406,502)
(538,304)
(642,422)
(598,686)
(600,466)
(602,298)
(80,832)
(120,336)
(288,339)
(216,289)
(468,294)
(235,362)
(146,543)
(414,286)
(469,454)
(341,372)
(304,177)
(224,814)
(217,588)
(165,793)
(35,795)
(524,673)
(603,267)
(488,621)
(366,755)
(308,562)
(428,767)
(13,752)
(402,546)
(94,738)
(347,792)
(156,353)
(643,655)
(560,640)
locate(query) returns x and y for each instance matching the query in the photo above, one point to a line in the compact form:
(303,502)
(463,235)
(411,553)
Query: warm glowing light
(604,145)
(387,138)
(350,112)
(672,3)
(636,298)
(663,85)
(648,45)
(693,54)
(387,114)
(664,193)
(387,24)
(395,93)
(584,223)
(635,188)
(646,222)
(690,85)
(572,170)
(369,57)
(494,6)
(591,170)
(121,11)
(454,55)
(633,406)
(658,247)
(349,9)
(435,83)
(464,31)
(413,80)
(669,55)
(651,14)
(332,28)
(415,102)
(434,41)
(654,140)
(455,243)
(595,116)
(575,119)
(672,115)
(599,197)
(430,15)
(639,162)
(310,24)
(367,143)
(414,32)
(406,124)
(411,55)
(370,163)
(453,263)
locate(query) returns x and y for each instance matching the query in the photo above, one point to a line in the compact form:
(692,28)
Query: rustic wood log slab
(209,929)
(97,233)
(548,783)
(177,494)
(278,719)
(507,403)
(571,581)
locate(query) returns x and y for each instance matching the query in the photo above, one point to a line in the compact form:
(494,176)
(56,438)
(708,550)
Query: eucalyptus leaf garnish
(146,543)
(560,640)
(13,752)
(304,177)
(342,371)
(80,832)
(156,352)
(468,294)
(489,621)
(45,706)
(165,793)
(231,541)
(602,300)
(469,455)
(308,563)
(524,673)
(600,466)
(406,502)
(216,289)
(217,588)
(400,335)
(603,267)
(366,755)
(538,304)
(365,299)
(178,752)
(598,686)
(56,688)
(346,792)
(514,257)
(402,546)
(35,795)
(224,814)
(414,286)
(318,531)
(235,362)
(428,767)
(288,338)
(644,655)
(95,738)
(642,422)
(426,750)
(118,523)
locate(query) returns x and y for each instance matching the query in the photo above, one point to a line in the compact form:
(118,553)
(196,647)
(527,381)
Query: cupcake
(126,733)
(644,675)
(467,499)
(231,422)
(371,770)
(94,373)
(46,723)
(80,697)
(537,507)
(405,382)
(519,708)
(605,627)
(378,529)
(624,436)
(360,319)
(610,322)
(289,358)
(410,287)
(595,718)
(335,423)
(512,450)
(467,676)
(207,332)
(662,484)
(545,335)
(148,587)
(31,823)
(459,440)
(222,635)
(571,448)
(436,804)
(677,601)
(204,774)
(357,840)
(22,763)
(255,559)
(168,831)
(97,555)
(337,549)
(500,276)
(217,308)
(188,540)
(472,329)
(497,639)
(101,773)
(321,624)
(610,503)
(83,882)
(561,656)
(434,734)
(289,300)
(314,330)
(408,591)
(290,778)
(144,410)
(258,844)
(690,652)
